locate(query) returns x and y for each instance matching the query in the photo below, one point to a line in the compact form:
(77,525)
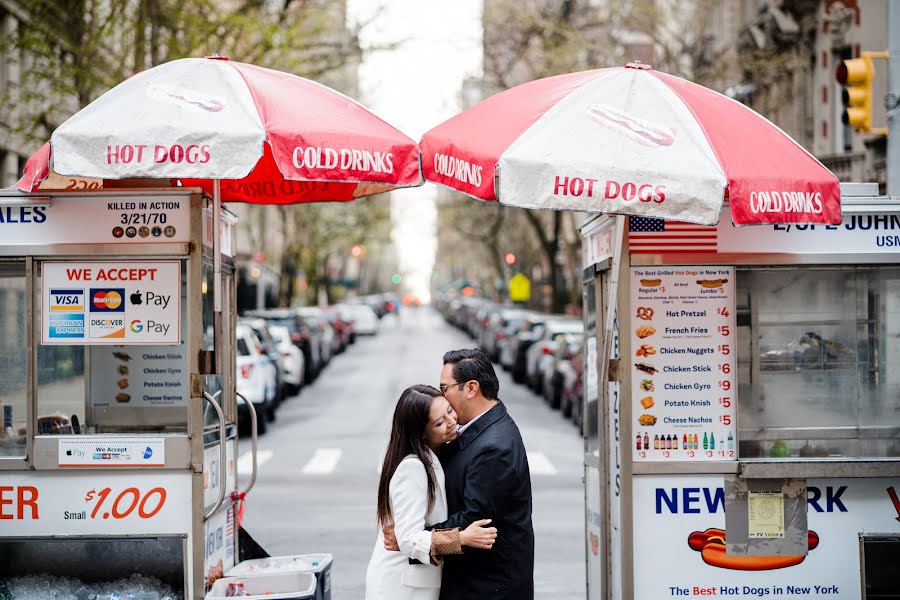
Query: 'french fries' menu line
(683,363)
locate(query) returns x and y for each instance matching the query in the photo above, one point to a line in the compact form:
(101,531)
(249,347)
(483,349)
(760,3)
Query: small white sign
(765,514)
(112,452)
(111,303)
(42,503)
(106,219)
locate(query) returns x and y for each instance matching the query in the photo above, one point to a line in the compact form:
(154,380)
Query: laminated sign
(111,303)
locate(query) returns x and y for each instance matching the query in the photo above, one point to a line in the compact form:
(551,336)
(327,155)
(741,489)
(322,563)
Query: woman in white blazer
(411,497)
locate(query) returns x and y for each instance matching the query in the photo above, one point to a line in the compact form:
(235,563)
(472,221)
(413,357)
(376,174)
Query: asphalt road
(318,474)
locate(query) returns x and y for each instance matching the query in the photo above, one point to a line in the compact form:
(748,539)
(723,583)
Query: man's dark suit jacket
(487,477)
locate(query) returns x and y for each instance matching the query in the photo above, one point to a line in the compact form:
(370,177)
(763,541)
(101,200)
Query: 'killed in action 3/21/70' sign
(111,303)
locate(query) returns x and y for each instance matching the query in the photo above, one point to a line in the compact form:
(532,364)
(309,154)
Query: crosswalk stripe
(323,461)
(245,462)
(539,464)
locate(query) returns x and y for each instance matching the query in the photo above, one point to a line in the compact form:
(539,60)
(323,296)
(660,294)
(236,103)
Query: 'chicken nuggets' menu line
(682,363)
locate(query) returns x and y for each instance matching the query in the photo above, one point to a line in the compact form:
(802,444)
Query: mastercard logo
(106,300)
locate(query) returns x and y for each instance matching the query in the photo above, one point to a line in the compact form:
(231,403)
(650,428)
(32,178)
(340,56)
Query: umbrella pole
(217,245)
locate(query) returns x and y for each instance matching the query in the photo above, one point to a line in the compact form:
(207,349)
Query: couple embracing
(454,500)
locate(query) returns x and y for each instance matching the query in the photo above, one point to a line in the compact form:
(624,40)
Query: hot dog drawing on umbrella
(711,546)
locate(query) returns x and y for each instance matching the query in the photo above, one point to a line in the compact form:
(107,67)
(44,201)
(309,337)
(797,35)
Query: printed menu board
(127,376)
(683,363)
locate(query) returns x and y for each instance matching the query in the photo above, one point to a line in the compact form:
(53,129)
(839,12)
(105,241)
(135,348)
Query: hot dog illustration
(636,129)
(711,546)
(712,283)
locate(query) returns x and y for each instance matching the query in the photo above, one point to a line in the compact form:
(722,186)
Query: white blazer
(390,576)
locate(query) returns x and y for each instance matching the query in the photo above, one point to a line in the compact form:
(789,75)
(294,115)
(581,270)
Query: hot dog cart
(117,451)
(742,406)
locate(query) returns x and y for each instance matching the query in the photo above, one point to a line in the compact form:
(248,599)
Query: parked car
(343,328)
(571,397)
(494,332)
(560,371)
(530,331)
(365,321)
(540,354)
(303,335)
(291,356)
(255,376)
(327,340)
(261,328)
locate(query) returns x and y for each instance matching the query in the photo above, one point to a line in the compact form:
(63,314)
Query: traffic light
(857,75)
(510,258)
(357,250)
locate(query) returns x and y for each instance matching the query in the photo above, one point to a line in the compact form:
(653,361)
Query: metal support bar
(609,325)
(222,456)
(253,441)
(217,245)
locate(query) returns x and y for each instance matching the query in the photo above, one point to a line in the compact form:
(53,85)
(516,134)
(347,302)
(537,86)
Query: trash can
(274,586)
(319,564)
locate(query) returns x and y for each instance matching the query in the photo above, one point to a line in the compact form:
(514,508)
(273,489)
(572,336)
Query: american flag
(229,522)
(658,236)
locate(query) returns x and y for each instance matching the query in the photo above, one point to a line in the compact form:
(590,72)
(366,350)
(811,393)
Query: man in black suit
(487,477)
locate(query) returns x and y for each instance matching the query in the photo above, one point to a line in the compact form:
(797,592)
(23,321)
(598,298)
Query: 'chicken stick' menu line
(683,363)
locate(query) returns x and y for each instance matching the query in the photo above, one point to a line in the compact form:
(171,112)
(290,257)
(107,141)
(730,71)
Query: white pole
(893,139)
(217,246)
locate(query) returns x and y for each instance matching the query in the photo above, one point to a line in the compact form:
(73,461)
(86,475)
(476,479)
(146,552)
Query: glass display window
(13,356)
(816,355)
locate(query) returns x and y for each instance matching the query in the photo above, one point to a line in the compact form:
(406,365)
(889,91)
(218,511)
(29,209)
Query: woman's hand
(479,535)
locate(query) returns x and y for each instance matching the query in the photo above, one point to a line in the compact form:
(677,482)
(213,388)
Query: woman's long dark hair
(407,437)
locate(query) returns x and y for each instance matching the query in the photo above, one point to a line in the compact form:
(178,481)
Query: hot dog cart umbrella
(241,132)
(631,141)
(740,412)
(118,451)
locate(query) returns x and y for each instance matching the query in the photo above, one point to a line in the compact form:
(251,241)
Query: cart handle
(222,456)
(253,441)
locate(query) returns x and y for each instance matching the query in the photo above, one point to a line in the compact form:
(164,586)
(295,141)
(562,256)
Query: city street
(319,463)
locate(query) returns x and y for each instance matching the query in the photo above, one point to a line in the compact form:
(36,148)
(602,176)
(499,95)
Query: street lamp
(357,250)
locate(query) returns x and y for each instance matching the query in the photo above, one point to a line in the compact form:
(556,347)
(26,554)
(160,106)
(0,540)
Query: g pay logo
(107,300)
(66,300)
(136,326)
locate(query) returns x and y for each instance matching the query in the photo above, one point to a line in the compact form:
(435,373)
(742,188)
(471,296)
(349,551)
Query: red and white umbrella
(630,141)
(269,136)
(242,132)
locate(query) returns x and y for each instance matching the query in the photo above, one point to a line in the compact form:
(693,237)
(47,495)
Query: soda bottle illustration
(646,442)
(730,441)
(705,441)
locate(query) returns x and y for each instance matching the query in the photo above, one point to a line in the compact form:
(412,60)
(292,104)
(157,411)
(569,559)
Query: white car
(256,376)
(292,357)
(365,321)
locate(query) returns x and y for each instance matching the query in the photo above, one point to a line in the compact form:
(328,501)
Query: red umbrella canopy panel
(630,141)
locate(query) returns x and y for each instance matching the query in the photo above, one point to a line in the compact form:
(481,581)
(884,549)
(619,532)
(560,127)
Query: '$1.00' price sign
(130,501)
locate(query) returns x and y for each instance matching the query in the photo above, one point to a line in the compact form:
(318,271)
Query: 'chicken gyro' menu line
(683,364)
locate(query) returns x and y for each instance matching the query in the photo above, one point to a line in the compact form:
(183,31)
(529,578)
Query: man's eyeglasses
(446,386)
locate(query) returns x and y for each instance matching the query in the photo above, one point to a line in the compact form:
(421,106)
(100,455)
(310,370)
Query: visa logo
(66,300)
(696,500)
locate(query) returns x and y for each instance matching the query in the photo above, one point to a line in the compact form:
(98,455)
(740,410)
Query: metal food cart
(742,406)
(119,434)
